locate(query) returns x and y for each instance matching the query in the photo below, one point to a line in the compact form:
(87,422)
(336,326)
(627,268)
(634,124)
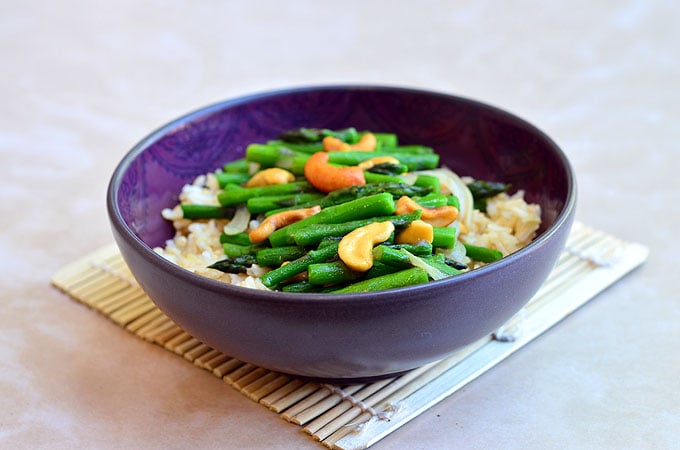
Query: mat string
(392,409)
(380,415)
(511,330)
(600,257)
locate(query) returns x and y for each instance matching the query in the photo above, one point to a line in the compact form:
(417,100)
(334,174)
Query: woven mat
(357,416)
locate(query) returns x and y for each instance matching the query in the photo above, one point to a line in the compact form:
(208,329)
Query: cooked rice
(196,243)
(509,224)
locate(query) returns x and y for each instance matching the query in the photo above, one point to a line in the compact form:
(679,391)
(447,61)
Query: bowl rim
(375,297)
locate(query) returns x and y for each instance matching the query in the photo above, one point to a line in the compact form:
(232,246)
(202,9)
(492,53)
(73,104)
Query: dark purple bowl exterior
(342,337)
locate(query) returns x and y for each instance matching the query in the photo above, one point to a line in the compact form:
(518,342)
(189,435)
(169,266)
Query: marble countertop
(84,81)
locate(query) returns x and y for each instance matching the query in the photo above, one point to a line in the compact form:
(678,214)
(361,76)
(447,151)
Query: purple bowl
(344,338)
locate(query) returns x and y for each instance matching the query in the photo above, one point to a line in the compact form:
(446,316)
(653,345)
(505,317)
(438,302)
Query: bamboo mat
(357,416)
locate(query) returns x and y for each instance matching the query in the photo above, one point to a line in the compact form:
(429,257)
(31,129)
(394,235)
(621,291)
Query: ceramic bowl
(344,338)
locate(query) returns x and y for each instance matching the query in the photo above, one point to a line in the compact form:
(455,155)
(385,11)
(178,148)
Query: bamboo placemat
(357,416)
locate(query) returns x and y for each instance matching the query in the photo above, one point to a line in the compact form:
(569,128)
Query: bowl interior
(472,138)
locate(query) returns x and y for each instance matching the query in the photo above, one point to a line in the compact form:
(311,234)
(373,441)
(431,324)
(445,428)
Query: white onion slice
(239,223)
(416,261)
(458,188)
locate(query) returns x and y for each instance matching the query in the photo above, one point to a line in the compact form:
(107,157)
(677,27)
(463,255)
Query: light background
(81,82)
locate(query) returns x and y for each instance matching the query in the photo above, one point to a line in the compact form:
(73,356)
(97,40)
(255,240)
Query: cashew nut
(438,217)
(333,144)
(280,220)
(267,177)
(367,143)
(327,178)
(416,231)
(367,164)
(356,247)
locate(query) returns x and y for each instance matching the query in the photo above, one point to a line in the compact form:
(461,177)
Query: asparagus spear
(236,250)
(361,208)
(225,178)
(275,256)
(482,190)
(402,278)
(238,165)
(311,135)
(233,195)
(239,239)
(206,212)
(392,255)
(389,169)
(279,275)
(257,205)
(354,192)
(313,235)
(238,264)
(268,155)
(444,237)
(482,254)
(428,181)
(335,272)
(412,161)
(302,286)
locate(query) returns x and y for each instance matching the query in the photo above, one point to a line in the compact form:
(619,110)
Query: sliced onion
(409,178)
(455,253)
(416,261)
(239,223)
(458,188)
(253,167)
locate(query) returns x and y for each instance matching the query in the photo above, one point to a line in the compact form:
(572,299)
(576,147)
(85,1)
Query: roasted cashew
(367,143)
(280,220)
(438,217)
(367,164)
(416,231)
(333,144)
(267,177)
(327,178)
(356,247)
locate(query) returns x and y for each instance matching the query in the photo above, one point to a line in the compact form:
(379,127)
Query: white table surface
(84,81)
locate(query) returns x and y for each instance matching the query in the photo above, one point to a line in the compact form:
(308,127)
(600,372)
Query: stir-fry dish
(342,211)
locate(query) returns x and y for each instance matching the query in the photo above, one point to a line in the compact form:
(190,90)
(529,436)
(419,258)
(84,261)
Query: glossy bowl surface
(342,337)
